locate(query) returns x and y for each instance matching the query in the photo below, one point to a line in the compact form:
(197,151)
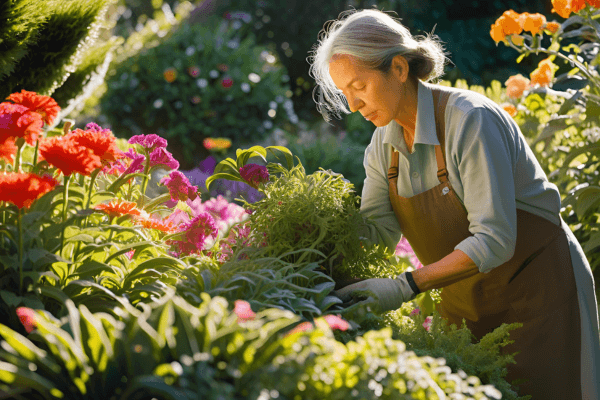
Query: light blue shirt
(490,166)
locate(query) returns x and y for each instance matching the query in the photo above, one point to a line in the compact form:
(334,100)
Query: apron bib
(535,287)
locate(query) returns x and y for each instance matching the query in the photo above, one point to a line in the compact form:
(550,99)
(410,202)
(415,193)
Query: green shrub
(171,350)
(203,80)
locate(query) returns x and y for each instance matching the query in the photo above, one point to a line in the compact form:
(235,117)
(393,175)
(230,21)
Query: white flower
(245,87)
(213,73)
(236,25)
(268,124)
(158,103)
(272,104)
(202,83)
(190,51)
(254,77)
(233,44)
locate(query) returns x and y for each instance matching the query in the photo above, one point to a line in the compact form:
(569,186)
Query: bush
(204,80)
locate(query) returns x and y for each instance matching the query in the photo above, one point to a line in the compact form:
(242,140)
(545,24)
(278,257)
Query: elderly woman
(451,171)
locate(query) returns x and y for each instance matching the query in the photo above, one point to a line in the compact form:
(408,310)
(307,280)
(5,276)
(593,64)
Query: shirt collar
(425,125)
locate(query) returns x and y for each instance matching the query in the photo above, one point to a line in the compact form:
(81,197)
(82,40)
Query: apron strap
(440,123)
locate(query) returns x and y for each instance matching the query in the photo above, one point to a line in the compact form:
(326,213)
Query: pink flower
(336,322)
(27,317)
(301,327)
(415,312)
(178,217)
(243,311)
(227,83)
(160,156)
(130,253)
(254,174)
(403,249)
(427,323)
(200,228)
(179,186)
(150,142)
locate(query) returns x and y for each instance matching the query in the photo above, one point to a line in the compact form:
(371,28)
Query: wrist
(411,282)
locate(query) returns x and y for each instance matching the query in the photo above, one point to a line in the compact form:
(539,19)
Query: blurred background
(213,76)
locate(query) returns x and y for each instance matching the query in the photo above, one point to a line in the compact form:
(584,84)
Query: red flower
(65,154)
(254,174)
(101,141)
(8,149)
(243,311)
(227,83)
(18,121)
(27,317)
(22,189)
(118,208)
(301,327)
(43,105)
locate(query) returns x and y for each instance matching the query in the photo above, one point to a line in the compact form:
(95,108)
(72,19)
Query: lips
(371,116)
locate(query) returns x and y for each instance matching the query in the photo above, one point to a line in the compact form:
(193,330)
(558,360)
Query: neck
(407,116)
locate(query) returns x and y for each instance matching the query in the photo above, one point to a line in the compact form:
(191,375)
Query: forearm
(453,268)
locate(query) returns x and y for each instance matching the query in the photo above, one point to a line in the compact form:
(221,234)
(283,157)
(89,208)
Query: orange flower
(216,143)
(509,23)
(65,154)
(157,224)
(509,108)
(496,32)
(593,3)
(100,141)
(43,105)
(8,149)
(564,8)
(22,189)
(553,27)
(170,74)
(516,85)
(544,73)
(118,208)
(533,22)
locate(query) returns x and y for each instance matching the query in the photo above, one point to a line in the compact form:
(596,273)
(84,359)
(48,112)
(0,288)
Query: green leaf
(286,152)
(123,180)
(23,378)
(10,298)
(227,165)
(587,199)
(40,257)
(222,175)
(136,246)
(574,153)
(53,292)
(90,268)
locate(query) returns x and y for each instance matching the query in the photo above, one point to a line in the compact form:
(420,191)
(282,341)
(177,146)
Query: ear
(400,68)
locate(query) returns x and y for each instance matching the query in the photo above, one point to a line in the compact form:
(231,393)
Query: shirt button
(415,175)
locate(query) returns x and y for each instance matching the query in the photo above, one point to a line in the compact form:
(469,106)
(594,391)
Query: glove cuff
(411,282)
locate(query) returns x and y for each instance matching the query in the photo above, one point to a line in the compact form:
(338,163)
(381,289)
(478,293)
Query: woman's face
(377,96)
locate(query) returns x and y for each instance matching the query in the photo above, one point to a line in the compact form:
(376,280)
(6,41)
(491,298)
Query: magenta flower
(227,83)
(225,213)
(27,317)
(179,186)
(161,156)
(200,228)
(254,174)
(178,217)
(149,142)
(301,327)
(243,311)
(415,312)
(336,322)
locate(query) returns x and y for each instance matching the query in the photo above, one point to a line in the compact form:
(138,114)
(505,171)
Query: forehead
(344,68)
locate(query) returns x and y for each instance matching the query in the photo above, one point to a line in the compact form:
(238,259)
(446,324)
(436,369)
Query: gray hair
(373,38)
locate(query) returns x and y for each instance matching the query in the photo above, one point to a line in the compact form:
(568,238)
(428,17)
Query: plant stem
(87,206)
(20,143)
(67,179)
(35,154)
(145,181)
(20,226)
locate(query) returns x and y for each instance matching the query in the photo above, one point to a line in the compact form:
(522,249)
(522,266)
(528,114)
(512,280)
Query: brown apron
(535,287)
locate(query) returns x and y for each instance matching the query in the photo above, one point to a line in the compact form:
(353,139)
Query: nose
(355,104)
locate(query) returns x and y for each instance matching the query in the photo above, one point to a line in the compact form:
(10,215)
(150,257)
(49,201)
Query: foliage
(45,43)
(185,89)
(171,350)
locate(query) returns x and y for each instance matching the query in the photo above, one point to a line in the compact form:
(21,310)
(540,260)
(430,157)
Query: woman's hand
(390,293)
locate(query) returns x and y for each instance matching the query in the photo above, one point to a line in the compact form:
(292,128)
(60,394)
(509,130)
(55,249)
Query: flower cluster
(542,76)
(564,8)
(195,234)
(334,322)
(22,189)
(179,186)
(512,23)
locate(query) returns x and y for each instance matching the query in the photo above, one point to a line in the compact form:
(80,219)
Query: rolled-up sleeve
(380,223)
(482,151)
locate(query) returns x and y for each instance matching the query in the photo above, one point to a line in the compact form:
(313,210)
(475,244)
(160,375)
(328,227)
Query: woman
(451,171)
